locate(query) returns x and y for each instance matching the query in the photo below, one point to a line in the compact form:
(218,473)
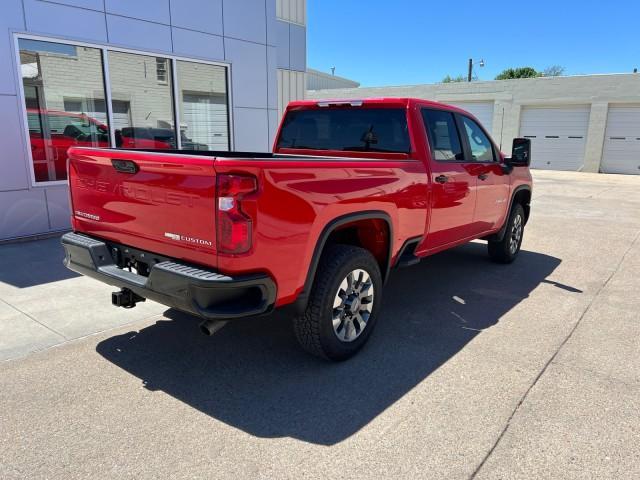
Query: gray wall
(243,33)
(317,80)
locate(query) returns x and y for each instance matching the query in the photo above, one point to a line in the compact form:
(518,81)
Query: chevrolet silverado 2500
(351,190)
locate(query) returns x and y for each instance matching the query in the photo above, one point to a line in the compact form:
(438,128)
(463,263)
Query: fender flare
(303,297)
(499,235)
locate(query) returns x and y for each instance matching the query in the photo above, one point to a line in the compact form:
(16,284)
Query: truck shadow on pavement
(252,375)
(27,264)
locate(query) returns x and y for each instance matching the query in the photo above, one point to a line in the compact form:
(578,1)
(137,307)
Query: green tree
(520,72)
(450,79)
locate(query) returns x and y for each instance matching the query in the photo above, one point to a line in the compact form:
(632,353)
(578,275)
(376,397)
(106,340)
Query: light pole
(469,77)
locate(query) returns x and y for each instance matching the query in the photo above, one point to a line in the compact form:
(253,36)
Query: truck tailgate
(159,202)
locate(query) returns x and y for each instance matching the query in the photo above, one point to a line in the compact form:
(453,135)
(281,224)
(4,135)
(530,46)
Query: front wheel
(507,249)
(343,304)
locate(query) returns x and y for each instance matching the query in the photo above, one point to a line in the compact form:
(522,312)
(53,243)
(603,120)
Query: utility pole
(470,75)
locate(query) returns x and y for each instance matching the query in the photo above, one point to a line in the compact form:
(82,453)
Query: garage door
(204,121)
(483,111)
(622,141)
(558,136)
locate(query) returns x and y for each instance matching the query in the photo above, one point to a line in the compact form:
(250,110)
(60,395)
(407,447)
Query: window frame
(428,135)
(105,49)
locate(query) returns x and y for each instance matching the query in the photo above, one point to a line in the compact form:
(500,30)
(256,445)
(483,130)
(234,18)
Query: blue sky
(397,42)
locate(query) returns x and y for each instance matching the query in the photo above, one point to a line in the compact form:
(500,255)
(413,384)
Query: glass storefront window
(142,96)
(204,113)
(65,103)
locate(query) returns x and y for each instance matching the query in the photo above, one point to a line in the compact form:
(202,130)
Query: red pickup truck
(352,190)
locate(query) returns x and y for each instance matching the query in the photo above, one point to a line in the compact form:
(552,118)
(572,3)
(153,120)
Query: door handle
(442,179)
(483,176)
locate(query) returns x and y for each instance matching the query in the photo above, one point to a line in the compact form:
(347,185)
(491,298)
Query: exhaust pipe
(210,327)
(125,298)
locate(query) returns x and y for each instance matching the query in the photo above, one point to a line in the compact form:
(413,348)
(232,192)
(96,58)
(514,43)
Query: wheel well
(523,197)
(372,234)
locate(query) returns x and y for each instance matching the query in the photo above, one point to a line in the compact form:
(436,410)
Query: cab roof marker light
(352,103)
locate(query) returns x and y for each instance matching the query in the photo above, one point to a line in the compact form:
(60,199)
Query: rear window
(347,129)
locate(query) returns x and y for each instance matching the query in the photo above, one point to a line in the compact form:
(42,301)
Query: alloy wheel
(352,305)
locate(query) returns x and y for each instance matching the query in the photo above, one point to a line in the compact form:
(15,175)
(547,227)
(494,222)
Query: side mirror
(520,154)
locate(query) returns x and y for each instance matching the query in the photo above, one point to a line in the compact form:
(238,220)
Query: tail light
(234,227)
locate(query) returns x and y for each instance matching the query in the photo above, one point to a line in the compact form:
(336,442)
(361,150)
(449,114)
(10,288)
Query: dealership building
(587,123)
(189,74)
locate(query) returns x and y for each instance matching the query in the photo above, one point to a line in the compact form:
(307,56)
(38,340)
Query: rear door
(454,181)
(493,184)
(163,203)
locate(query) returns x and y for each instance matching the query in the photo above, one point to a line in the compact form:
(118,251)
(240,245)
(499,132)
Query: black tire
(507,249)
(315,328)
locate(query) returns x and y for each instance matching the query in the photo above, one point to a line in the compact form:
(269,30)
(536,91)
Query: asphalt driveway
(476,370)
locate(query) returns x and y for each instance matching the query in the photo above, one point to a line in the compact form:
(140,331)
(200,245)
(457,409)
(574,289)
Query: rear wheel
(343,304)
(507,249)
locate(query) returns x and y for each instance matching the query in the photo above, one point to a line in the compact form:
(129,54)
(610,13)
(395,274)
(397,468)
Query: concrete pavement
(476,370)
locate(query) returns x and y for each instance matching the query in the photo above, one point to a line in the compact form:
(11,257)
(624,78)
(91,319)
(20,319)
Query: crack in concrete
(34,319)
(551,360)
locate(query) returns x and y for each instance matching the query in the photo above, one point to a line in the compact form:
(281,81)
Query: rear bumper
(204,293)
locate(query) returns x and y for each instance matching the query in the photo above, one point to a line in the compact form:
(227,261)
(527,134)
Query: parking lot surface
(476,370)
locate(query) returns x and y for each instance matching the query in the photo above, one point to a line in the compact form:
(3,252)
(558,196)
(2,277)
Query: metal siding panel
(283,43)
(14,154)
(298,48)
(254,134)
(151,10)
(24,213)
(246,26)
(11,18)
(80,23)
(58,207)
(272,78)
(139,33)
(300,86)
(196,44)
(201,15)
(245,57)
(286,88)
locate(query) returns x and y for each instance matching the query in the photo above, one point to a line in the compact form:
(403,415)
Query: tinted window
(353,129)
(443,135)
(481,147)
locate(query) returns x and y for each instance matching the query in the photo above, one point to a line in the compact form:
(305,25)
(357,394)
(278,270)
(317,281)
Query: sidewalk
(43,304)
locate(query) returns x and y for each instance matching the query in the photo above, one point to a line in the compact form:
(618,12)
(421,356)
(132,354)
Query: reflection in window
(351,129)
(65,103)
(204,116)
(443,135)
(142,104)
(481,148)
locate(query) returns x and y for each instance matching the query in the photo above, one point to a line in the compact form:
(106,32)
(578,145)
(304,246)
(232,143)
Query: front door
(453,195)
(492,194)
